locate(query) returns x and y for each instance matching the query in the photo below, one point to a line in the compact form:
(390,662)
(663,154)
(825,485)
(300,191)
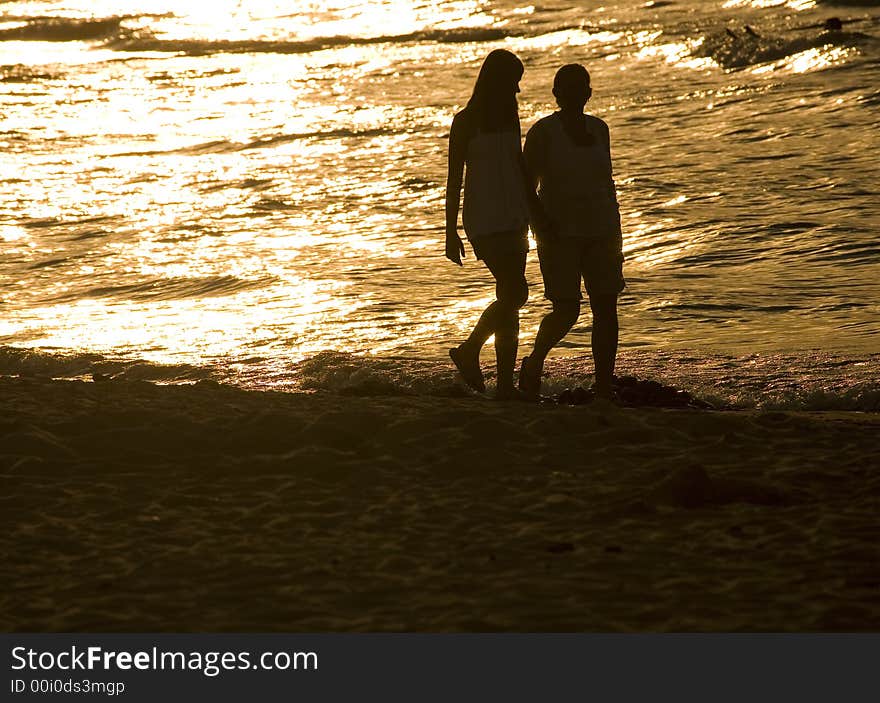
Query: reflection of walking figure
(568,154)
(484,144)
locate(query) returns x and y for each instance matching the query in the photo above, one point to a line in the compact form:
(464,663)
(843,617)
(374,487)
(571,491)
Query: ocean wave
(847,252)
(132,42)
(169,289)
(719,382)
(806,382)
(50,222)
(340,133)
(111,31)
(849,3)
(220,146)
(348,374)
(740,48)
(19,73)
(863,397)
(213,147)
(60,29)
(33,363)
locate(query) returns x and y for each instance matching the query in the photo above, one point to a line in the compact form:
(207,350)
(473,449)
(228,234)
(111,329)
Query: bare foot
(510,394)
(529,378)
(603,391)
(468,364)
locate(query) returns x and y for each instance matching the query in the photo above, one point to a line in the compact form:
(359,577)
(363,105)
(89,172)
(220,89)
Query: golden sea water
(254,186)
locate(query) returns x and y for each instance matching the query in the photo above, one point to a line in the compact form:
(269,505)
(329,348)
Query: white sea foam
(811,381)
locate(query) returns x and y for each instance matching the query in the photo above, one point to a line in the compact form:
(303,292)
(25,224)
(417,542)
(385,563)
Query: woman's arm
(454,175)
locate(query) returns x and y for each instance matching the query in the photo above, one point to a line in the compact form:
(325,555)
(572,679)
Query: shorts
(499,243)
(567,260)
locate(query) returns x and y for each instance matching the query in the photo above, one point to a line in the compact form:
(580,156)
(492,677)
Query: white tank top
(494,190)
(577,189)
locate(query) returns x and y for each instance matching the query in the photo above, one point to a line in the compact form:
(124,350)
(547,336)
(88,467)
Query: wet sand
(128,506)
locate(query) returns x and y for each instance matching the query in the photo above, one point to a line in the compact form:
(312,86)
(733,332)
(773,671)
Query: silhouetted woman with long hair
(485,148)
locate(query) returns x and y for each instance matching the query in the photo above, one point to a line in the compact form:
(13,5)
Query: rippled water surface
(246,184)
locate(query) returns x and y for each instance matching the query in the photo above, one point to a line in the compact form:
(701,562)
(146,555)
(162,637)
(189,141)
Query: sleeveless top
(576,184)
(494,189)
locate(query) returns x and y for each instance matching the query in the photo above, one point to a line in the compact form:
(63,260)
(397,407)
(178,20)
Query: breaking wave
(63,29)
(220,146)
(646,380)
(115,36)
(739,48)
(171,289)
(199,47)
(32,363)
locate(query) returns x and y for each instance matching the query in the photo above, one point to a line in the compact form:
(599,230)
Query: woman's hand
(454,246)
(543,227)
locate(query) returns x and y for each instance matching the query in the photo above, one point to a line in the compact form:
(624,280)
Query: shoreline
(136,507)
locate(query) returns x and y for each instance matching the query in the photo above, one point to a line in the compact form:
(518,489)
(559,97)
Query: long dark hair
(493,103)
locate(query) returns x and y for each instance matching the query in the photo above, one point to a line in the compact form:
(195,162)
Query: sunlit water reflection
(247,185)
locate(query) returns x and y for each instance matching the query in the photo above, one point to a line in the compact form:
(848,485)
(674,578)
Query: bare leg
(555,325)
(506,342)
(511,292)
(500,318)
(466,356)
(604,339)
(484,328)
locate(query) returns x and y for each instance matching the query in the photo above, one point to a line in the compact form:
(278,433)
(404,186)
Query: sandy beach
(129,506)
